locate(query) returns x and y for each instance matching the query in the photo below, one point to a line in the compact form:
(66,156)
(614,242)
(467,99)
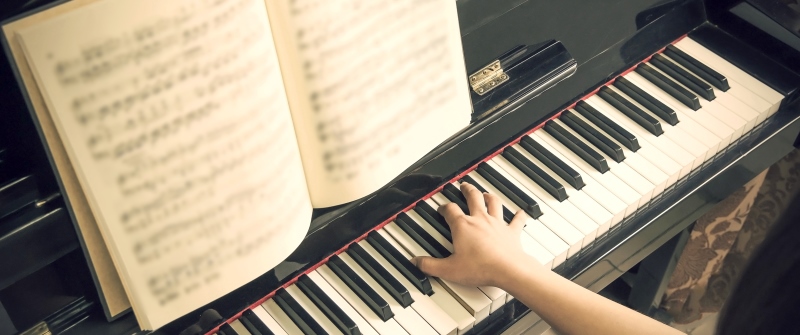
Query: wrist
(520,272)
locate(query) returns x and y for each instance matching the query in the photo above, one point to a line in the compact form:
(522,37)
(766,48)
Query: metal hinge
(487,78)
(39,329)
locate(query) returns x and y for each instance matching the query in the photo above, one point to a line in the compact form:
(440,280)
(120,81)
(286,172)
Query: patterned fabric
(723,240)
(712,237)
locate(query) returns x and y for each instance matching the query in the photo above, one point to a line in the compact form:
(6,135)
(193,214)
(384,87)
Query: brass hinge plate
(38,329)
(488,78)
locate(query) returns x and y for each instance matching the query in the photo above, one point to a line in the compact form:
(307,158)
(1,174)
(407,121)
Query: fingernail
(414,261)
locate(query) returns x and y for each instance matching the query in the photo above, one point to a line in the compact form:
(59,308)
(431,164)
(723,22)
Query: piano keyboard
(576,177)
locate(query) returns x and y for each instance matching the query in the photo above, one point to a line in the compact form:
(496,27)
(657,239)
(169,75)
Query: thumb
(435,267)
(518,222)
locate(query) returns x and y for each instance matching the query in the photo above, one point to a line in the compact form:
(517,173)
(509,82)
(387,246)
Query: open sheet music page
(175,117)
(373,86)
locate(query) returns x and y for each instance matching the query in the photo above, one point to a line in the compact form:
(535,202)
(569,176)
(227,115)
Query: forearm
(571,309)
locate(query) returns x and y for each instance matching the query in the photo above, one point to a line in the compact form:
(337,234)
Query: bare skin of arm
(488,252)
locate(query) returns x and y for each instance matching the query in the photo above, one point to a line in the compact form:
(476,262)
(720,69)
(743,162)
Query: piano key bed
(586,179)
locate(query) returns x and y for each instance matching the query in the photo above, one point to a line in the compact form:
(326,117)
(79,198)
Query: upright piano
(655,111)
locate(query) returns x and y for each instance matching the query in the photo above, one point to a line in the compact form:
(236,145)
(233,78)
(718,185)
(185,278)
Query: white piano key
(473,299)
(438,200)
(736,106)
(389,327)
(679,136)
(608,180)
(648,141)
(280,317)
(701,116)
(737,82)
(363,326)
(531,247)
(712,132)
(268,320)
(437,318)
(730,102)
(441,296)
(537,251)
(551,221)
(239,328)
(430,230)
(719,112)
(406,317)
(453,308)
(591,187)
(555,247)
(604,218)
(566,209)
(312,310)
(650,171)
(644,187)
(736,76)
(497,295)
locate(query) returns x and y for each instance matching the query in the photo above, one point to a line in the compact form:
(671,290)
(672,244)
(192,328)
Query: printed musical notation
(371,82)
(180,127)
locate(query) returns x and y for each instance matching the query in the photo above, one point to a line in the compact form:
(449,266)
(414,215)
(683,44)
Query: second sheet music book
(192,138)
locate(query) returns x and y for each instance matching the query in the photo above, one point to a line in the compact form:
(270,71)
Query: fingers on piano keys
(575,178)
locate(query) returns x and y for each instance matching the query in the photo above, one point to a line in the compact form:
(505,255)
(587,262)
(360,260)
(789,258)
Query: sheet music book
(192,138)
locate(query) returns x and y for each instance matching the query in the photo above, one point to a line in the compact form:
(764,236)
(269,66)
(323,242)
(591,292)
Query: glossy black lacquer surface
(767,44)
(605,39)
(530,70)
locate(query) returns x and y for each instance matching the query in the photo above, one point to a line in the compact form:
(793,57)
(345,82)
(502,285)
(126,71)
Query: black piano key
(435,219)
(507,215)
(610,127)
(16,194)
(299,316)
(684,77)
(327,306)
(454,195)
(381,275)
(364,291)
(639,116)
(511,191)
(411,272)
(226,329)
(563,170)
(254,324)
(577,146)
(698,68)
(249,326)
(600,140)
(419,235)
(648,101)
(677,91)
(536,174)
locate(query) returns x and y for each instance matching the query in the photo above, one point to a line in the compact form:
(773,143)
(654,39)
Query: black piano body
(605,40)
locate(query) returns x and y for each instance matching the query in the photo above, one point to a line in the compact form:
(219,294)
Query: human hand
(485,249)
